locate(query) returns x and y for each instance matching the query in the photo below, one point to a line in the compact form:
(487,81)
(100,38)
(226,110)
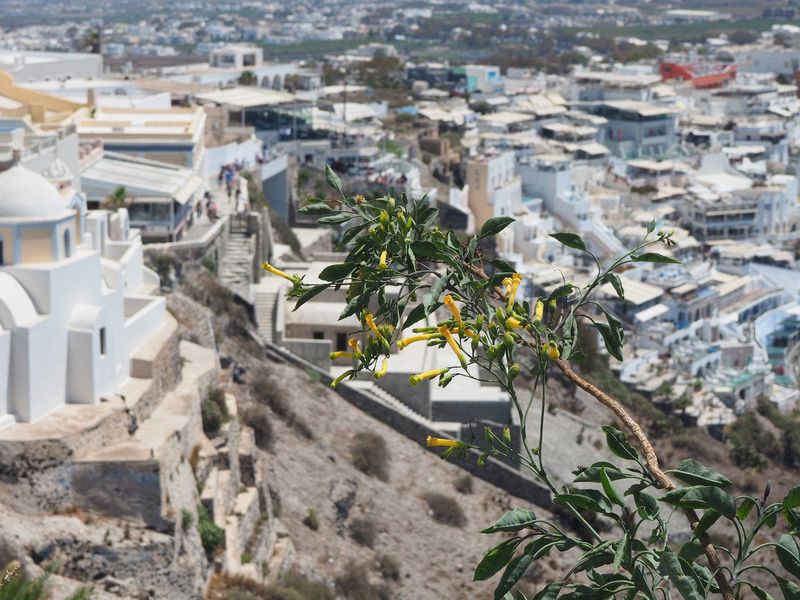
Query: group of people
(232,181)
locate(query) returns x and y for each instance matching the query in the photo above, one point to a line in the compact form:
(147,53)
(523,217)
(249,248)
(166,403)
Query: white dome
(24,193)
(58,172)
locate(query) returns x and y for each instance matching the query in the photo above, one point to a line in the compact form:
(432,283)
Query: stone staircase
(265,313)
(236,267)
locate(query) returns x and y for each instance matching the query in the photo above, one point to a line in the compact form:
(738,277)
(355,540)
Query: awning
(648,314)
(188,190)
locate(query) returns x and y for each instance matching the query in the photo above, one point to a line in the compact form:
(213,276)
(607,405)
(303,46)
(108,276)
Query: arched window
(67,244)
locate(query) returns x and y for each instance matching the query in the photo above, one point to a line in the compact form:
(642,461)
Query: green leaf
(513,520)
(592,500)
(561,292)
(655,257)
(315,208)
(744,510)
(494,226)
(309,294)
(426,249)
(431,299)
(789,554)
(619,553)
(592,473)
(570,240)
(337,272)
(611,493)
(336,219)
(415,316)
(616,283)
(760,593)
(692,472)
(651,226)
(790,590)
(496,558)
(706,521)
(792,499)
(702,497)
(350,233)
(691,550)
(549,592)
(610,339)
(333,179)
(513,573)
(647,505)
(671,566)
(618,444)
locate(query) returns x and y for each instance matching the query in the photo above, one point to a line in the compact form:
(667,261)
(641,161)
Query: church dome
(57,172)
(25,193)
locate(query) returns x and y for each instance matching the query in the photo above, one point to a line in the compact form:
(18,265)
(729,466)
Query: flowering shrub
(401,268)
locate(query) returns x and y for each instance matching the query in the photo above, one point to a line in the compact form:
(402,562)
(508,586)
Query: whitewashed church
(75,298)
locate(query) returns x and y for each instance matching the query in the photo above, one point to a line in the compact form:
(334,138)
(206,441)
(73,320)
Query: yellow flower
(340,354)
(449,303)
(415,338)
(539,313)
(382,371)
(435,441)
(512,293)
(453,345)
(340,378)
(360,199)
(382,261)
(371,324)
(513,323)
(507,285)
(415,379)
(552,351)
(275,271)
(353,343)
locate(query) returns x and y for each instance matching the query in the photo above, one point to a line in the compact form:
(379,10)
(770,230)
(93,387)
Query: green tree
(396,244)
(247,78)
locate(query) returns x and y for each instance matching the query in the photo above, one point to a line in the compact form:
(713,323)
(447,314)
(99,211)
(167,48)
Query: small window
(102,341)
(67,244)
(341,341)
(319,335)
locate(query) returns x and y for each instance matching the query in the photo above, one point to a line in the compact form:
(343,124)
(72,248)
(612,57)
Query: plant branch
(651,461)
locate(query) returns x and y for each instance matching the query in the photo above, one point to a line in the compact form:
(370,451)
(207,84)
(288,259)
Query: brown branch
(651,462)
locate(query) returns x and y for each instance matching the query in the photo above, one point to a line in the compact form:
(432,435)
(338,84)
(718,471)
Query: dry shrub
(463,484)
(389,567)
(445,509)
(364,531)
(266,389)
(353,584)
(257,417)
(370,455)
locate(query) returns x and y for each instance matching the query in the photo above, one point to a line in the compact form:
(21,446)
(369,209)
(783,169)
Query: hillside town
(134,151)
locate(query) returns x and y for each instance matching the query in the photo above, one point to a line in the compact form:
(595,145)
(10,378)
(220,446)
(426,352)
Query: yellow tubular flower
(453,345)
(435,441)
(340,354)
(341,377)
(382,262)
(415,338)
(539,311)
(552,351)
(512,294)
(415,379)
(449,303)
(513,323)
(371,324)
(275,271)
(353,343)
(382,371)
(507,284)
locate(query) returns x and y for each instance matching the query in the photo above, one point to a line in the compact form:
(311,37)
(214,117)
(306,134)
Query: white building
(74,296)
